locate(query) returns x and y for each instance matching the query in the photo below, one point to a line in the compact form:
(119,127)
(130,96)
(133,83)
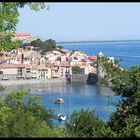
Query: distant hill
(99,41)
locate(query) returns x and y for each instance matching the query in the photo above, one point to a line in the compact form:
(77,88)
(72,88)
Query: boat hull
(59,101)
(61,117)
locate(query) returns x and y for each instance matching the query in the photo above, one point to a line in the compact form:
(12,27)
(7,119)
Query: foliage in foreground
(2,88)
(125,121)
(9,17)
(22,115)
(85,124)
(126,83)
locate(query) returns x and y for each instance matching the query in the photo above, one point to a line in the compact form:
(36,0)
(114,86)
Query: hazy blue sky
(83,21)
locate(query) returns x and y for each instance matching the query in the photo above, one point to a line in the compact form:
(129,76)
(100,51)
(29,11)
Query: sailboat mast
(61,90)
(61,98)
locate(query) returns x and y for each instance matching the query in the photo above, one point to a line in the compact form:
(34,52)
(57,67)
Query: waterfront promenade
(31,81)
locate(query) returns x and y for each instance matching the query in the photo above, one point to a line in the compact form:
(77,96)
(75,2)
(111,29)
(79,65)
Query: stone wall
(81,78)
(84,78)
(9,76)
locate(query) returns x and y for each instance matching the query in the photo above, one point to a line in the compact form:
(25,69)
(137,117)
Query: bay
(83,96)
(76,96)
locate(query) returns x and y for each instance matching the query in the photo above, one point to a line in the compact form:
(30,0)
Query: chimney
(22,57)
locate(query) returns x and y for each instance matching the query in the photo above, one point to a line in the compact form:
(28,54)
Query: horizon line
(97,41)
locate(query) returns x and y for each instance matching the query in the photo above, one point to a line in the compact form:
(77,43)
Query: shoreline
(31,81)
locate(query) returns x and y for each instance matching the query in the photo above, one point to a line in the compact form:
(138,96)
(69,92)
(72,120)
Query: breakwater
(84,78)
(31,81)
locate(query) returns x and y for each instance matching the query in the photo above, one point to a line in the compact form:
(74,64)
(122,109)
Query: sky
(82,21)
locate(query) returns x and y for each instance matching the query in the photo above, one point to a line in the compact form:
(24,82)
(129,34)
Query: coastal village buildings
(15,70)
(54,64)
(25,37)
(29,63)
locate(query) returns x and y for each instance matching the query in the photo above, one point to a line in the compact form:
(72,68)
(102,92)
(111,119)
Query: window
(82,71)
(27,70)
(1,72)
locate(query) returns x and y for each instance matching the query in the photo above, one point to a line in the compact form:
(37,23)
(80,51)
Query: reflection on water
(76,97)
(104,91)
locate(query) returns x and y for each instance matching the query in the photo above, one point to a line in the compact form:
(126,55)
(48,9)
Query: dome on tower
(100,54)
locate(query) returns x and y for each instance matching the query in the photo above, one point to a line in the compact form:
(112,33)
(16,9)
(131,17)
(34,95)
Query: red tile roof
(22,35)
(7,58)
(14,65)
(92,57)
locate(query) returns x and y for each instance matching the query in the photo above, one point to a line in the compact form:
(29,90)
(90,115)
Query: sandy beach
(31,81)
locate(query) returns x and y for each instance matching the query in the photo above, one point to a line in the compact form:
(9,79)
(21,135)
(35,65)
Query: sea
(128,53)
(83,96)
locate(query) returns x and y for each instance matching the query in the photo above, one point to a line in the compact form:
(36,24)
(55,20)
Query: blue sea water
(76,97)
(127,52)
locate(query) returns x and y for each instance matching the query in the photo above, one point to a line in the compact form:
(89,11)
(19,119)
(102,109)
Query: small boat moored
(61,117)
(59,101)
(38,90)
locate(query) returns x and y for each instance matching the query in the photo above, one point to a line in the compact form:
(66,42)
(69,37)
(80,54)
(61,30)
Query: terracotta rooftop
(92,57)
(14,65)
(22,35)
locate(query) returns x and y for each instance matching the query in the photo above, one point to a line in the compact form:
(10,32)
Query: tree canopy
(85,123)
(126,83)
(22,115)
(9,17)
(76,70)
(43,46)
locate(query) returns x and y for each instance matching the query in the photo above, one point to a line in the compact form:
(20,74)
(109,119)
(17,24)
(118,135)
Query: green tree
(22,115)
(125,83)
(52,43)
(48,45)
(76,70)
(2,88)
(85,124)
(125,121)
(8,20)
(37,43)
(60,47)
(44,46)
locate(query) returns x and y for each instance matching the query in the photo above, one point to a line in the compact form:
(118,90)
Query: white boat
(38,90)
(59,101)
(62,117)
(5,78)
